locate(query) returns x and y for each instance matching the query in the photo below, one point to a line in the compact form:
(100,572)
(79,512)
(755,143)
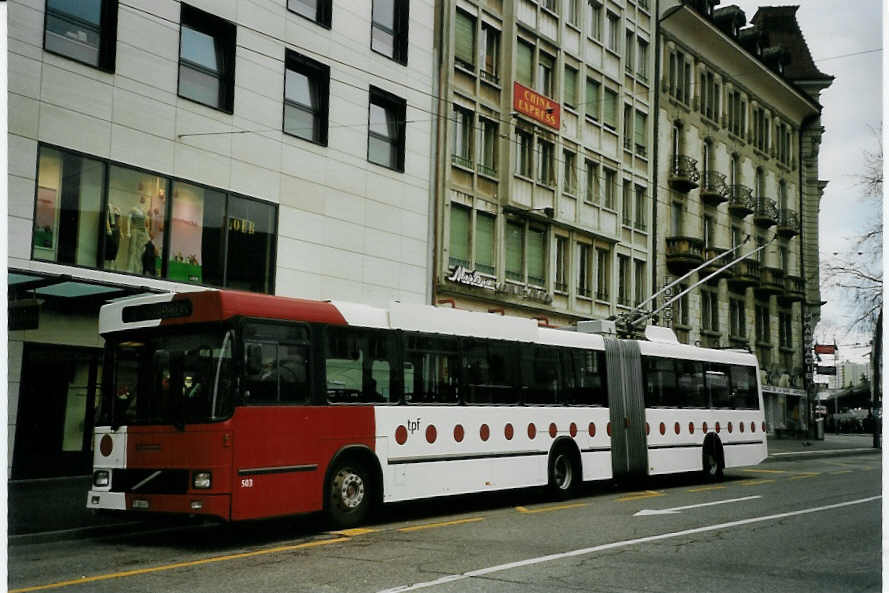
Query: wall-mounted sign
(461,275)
(536,106)
(827,370)
(825,349)
(525,292)
(242,225)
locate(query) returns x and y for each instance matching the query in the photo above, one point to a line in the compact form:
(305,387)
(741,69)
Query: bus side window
(743,385)
(544,384)
(721,396)
(344,365)
(660,382)
(293,373)
(487,372)
(690,385)
(434,363)
(591,390)
(261,382)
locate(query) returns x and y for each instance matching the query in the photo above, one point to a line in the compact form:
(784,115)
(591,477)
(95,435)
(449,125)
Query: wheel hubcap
(562,472)
(352,490)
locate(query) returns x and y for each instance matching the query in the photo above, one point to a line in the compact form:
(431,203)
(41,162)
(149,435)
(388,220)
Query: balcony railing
(714,190)
(489,77)
(710,253)
(486,170)
(684,174)
(766,214)
(741,201)
(788,223)
(793,290)
(461,161)
(771,281)
(684,253)
(745,273)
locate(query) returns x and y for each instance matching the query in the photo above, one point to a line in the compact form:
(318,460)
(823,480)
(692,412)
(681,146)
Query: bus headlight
(101,477)
(201,480)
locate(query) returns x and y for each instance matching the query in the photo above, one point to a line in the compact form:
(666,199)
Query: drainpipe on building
(808,375)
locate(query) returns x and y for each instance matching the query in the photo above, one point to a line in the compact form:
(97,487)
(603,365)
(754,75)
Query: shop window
(385,129)
(251,233)
(68,211)
(84,31)
(137,204)
(197,235)
(389,29)
(314,10)
(207,59)
(306,92)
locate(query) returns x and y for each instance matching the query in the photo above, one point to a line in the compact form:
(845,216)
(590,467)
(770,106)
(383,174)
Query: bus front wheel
(564,473)
(348,495)
(713,459)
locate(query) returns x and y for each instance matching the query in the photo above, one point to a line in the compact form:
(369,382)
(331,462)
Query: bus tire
(713,462)
(350,494)
(564,472)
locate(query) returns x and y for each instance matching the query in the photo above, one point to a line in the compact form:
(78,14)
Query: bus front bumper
(218,505)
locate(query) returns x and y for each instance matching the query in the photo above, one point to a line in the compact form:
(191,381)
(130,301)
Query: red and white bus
(244,406)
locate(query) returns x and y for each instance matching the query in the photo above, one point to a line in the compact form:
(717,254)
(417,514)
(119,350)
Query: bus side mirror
(254,359)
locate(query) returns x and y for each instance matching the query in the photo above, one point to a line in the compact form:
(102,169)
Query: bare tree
(858,271)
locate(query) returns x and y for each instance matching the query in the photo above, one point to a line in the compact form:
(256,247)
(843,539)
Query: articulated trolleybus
(244,406)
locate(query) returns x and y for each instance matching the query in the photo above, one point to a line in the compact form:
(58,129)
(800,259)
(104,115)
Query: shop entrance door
(55,411)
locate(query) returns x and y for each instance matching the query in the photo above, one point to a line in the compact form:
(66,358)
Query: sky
(852,118)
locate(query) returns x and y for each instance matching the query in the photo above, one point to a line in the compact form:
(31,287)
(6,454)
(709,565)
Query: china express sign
(536,106)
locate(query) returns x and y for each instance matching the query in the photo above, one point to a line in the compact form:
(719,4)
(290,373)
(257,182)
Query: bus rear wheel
(349,495)
(713,460)
(564,473)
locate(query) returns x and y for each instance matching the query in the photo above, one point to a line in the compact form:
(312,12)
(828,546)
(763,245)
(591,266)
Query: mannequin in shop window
(112,233)
(139,238)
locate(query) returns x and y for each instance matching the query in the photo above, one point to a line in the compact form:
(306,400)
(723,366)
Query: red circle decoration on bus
(705,428)
(741,426)
(753,427)
(572,430)
(532,430)
(106,445)
(717,427)
(592,429)
(729,426)
(431,433)
(647,429)
(401,435)
(663,428)
(553,430)
(608,429)
(508,431)
(764,427)
(691,428)
(676,428)
(484,432)
(458,433)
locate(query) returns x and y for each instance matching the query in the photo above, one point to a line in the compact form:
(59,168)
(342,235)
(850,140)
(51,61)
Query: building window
(592,99)
(572,14)
(306,92)
(524,143)
(763,327)
(709,311)
(584,270)
(82,31)
(609,109)
(640,208)
(709,96)
(484,243)
(464,40)
(592,182)
(639,282)
(603,274)
(594,19)
(676,218)
(569,183)
(623,280)
(545,74)
(760,129)
(561,279)
(487,164)
(207,59)
(737,319)
(546,154)
(680,310)
(536,256)
(610,183)
(627,202)
(515,251)
(389,29)
(641,134)
(737,114)
(680,77)
(462,131)
(385,129)
(459,249)
(737,237)
(612,32)
(314,10)
(783,143)
(569,92)
(628,127)
(491,57)
(524,63)
(642,60)
(201,235)
(785,331)
(709,224)
(629,43)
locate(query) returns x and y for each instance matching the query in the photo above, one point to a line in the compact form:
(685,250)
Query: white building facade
(278,146)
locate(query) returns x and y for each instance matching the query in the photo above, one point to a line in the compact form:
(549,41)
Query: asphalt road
(810,525)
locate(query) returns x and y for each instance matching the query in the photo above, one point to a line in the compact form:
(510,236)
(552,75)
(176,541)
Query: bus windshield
(169,379)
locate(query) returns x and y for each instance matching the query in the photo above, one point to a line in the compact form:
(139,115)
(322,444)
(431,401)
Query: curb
(818,453)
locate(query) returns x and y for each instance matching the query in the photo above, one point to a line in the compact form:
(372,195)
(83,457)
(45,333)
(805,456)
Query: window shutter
(464,42)
(484,243)
(640,132)
(592,98)
(536,256)
(514,251)
(610,108)
(459,236)
(570,95)
(524,63)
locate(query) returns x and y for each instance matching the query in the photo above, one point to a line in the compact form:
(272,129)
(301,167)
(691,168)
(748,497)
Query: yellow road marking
(842,471)
(765,471)
(164,567)
(640,496)
(444,524)
(755,482)
(707,488)
(560,507)
(804,475)
(356,531)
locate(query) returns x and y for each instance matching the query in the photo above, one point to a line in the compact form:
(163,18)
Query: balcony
(714,190)
(744,273)
(788,223)
(684,175)
(766,214)
(741,202)
(771,281)
(793,290)
(710,253)
(684,253)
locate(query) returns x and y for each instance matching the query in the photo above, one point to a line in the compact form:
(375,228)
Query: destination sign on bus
(167,310)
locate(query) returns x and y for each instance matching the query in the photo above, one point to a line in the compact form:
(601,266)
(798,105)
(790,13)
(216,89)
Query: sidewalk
(55,509)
